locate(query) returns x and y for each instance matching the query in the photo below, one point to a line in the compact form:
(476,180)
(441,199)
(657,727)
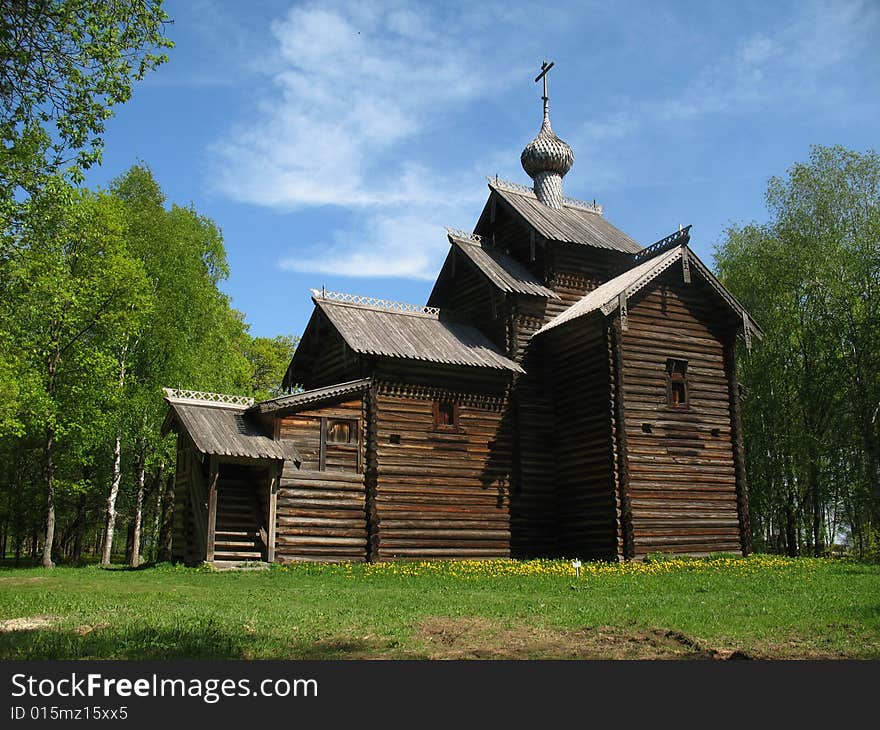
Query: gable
(576,222)
(613,295)
(374,327)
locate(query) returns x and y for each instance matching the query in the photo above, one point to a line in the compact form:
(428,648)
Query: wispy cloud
(793,67)
(354,89)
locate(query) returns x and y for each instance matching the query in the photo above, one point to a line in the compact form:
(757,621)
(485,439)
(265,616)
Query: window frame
(352,431)
(354,445)
(453,427)
(674,376)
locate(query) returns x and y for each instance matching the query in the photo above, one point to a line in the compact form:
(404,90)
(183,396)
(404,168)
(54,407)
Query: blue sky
(333,141)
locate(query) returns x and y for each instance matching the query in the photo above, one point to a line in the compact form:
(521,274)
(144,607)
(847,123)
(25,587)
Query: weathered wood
(742,492)
(686,458)
(272,512)
(213,476)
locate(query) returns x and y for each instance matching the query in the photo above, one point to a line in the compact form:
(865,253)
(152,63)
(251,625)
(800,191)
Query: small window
(445,415)
(676,383)
(340,432)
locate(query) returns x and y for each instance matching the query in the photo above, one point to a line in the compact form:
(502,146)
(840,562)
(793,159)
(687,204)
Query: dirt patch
(16,581)
(87,629)
(479,638)
(29,623)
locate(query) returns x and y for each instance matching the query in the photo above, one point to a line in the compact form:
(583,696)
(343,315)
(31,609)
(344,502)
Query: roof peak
(205,398)
(512,187)
(364,302)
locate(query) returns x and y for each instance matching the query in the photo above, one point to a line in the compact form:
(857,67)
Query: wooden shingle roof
(502,270)
(606,298)
(427,334)
(224,429)
(311,397)
(574,223)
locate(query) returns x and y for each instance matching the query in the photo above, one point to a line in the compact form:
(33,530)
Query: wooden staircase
(238,535)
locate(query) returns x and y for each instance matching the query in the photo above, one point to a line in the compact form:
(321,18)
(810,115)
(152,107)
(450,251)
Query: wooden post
(274,476)
(213,476)
(739,459)
(615,354)
(624,315)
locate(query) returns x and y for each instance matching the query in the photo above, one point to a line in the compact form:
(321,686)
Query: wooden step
(234,544)
(236,532)
(239,555)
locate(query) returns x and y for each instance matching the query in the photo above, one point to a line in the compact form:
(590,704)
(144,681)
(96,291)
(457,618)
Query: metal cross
(545,67)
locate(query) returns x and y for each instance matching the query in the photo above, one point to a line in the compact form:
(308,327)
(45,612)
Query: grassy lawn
(762,607)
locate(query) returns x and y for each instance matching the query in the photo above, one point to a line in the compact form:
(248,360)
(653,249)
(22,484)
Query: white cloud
(352,86)
(354,90)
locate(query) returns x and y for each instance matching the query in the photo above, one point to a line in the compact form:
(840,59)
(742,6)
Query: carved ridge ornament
(513,187)
(464,235)
(345,298)
(206,397)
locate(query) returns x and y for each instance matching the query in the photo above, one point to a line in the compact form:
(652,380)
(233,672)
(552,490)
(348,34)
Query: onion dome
(547,153)
(547,159)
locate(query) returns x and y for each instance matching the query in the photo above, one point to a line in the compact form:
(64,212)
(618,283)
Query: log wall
(190,513)
(440,493)
(321,514)
(682,485)
(581,440)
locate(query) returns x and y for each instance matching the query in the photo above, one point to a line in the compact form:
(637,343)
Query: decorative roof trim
(464,235)
(200,397)
(308,397)
(680,237)
(643,280)
(362,301)
(655,267)
(512,187)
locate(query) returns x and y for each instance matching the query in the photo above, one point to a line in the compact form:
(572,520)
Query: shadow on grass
(207,641)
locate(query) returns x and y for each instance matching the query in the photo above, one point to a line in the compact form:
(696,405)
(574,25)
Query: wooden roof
(310,397)
(606,298)
(428,335)
(500,269)
(223,429)
(573,223)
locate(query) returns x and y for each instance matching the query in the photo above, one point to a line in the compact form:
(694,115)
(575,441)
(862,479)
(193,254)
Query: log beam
(213,478)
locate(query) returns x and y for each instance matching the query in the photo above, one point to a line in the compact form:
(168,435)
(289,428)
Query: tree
(73,290)
(64,65)
(192,337)
(811,277)
(269,359)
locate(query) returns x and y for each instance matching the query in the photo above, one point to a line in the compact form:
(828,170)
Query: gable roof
(606,298)
(575,222)
(503,271)
(374,327)
(223,429)
(310,397)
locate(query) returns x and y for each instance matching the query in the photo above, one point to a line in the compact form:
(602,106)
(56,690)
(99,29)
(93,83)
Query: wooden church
(564,392)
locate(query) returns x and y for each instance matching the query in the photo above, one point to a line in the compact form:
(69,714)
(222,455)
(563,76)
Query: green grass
(761,606)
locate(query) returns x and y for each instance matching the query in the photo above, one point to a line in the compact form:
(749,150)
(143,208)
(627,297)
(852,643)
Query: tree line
(810,275)
(107,297)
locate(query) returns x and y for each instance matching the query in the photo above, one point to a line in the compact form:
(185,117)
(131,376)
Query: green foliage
(269,358)
(66,64)
(106,298)
(811,278)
